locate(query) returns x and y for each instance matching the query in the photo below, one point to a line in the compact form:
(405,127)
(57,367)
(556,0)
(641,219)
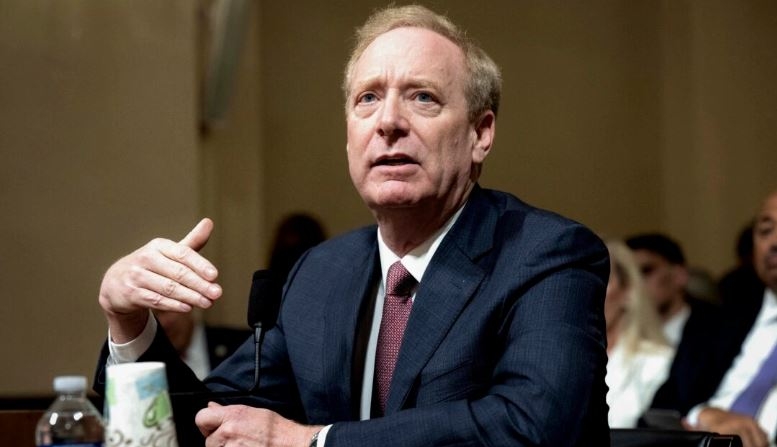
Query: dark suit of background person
(508,315)
(696,369)
(505,342)
(741,281)
(692,377)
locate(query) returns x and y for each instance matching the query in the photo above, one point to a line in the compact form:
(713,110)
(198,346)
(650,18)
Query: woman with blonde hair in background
(639,356)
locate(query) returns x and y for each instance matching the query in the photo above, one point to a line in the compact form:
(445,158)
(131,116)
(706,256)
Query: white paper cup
(138,411)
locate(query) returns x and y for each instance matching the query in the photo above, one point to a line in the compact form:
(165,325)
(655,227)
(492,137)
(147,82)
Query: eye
(424,97)
(764,228)
(647,269)
(366,98)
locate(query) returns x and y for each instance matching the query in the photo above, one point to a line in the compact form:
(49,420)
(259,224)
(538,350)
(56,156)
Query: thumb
(198,237)
(209,419)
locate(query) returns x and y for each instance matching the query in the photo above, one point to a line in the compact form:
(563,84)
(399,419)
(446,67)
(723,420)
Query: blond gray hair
(484,80)
(642,322)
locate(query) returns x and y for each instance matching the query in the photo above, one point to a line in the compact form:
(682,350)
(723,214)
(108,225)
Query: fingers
(753,436)
(209,419)
(181,266)
(720,421)
(162,275)
(199,235)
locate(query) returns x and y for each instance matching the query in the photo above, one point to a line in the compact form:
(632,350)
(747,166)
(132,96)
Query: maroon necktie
(396,310)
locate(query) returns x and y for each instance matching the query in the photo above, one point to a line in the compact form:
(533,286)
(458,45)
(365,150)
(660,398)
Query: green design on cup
(158,411)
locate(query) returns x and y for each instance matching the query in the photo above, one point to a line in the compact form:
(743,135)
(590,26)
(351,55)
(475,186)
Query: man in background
(745,402)
(742,279)
(689,324)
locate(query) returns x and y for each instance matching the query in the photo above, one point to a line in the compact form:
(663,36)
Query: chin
(391,201)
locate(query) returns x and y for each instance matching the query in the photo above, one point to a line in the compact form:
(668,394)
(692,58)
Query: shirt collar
(418,258)
(673,327)
(769,307)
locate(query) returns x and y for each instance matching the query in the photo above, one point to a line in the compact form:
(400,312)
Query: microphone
(264,303)
(264,300)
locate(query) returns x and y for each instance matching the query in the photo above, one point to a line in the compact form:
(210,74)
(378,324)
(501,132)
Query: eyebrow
(371,82)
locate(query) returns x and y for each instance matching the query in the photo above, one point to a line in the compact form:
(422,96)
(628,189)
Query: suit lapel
(346,303)
(448,284)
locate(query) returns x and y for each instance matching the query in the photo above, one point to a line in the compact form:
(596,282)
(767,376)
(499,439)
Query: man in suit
(690,324)
(745,401)
(465,317)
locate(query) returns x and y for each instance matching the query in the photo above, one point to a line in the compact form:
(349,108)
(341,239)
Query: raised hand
(161,275)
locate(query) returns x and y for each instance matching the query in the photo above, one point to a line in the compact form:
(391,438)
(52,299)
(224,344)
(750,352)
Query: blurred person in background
(639,355)
(296,234)
(745,402)
(201,346)
(741,280)
(689,324)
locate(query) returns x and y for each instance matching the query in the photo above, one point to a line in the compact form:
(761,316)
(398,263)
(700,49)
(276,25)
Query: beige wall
(99,151)
(626,115)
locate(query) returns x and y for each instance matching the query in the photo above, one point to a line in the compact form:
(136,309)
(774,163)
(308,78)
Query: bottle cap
(69,384)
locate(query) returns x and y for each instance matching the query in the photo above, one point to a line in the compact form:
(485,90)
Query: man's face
(765,242)
(410,142)
(665,282)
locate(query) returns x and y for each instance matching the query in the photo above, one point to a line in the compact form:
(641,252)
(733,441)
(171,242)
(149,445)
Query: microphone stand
(258,339)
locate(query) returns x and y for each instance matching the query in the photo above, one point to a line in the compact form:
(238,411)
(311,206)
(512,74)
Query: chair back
(648,437)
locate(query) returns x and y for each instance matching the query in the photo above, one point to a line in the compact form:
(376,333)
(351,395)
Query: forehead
(646,257)
(410,53)
(769,209)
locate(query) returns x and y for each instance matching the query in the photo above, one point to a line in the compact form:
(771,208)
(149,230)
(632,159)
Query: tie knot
(399,282)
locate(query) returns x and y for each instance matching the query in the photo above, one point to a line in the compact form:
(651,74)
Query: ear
(484,131)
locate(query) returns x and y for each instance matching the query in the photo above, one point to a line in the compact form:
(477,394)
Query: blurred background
(121,121)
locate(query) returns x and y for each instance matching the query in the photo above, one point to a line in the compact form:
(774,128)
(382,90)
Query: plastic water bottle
(71,420)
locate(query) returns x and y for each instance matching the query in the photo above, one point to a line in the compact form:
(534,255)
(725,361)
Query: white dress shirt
(416,263)
(196,355)
(673,327)
(633,378)
(759,343)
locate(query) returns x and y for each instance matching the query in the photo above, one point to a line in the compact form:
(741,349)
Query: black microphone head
(264,300)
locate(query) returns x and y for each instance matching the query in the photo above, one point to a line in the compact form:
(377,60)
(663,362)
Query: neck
(671,309)
(404,229)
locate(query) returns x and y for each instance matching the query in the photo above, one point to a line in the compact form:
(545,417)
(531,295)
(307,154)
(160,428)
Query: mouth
(771,260)
(394,160)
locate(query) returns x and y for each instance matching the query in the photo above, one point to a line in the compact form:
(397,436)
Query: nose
(393,122)
(772,242)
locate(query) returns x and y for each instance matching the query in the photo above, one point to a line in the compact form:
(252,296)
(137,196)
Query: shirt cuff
(693,416)
(322,436)
(133,349)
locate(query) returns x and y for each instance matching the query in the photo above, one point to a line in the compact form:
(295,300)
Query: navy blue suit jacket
(505,344)
(696,370)
(711,342)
